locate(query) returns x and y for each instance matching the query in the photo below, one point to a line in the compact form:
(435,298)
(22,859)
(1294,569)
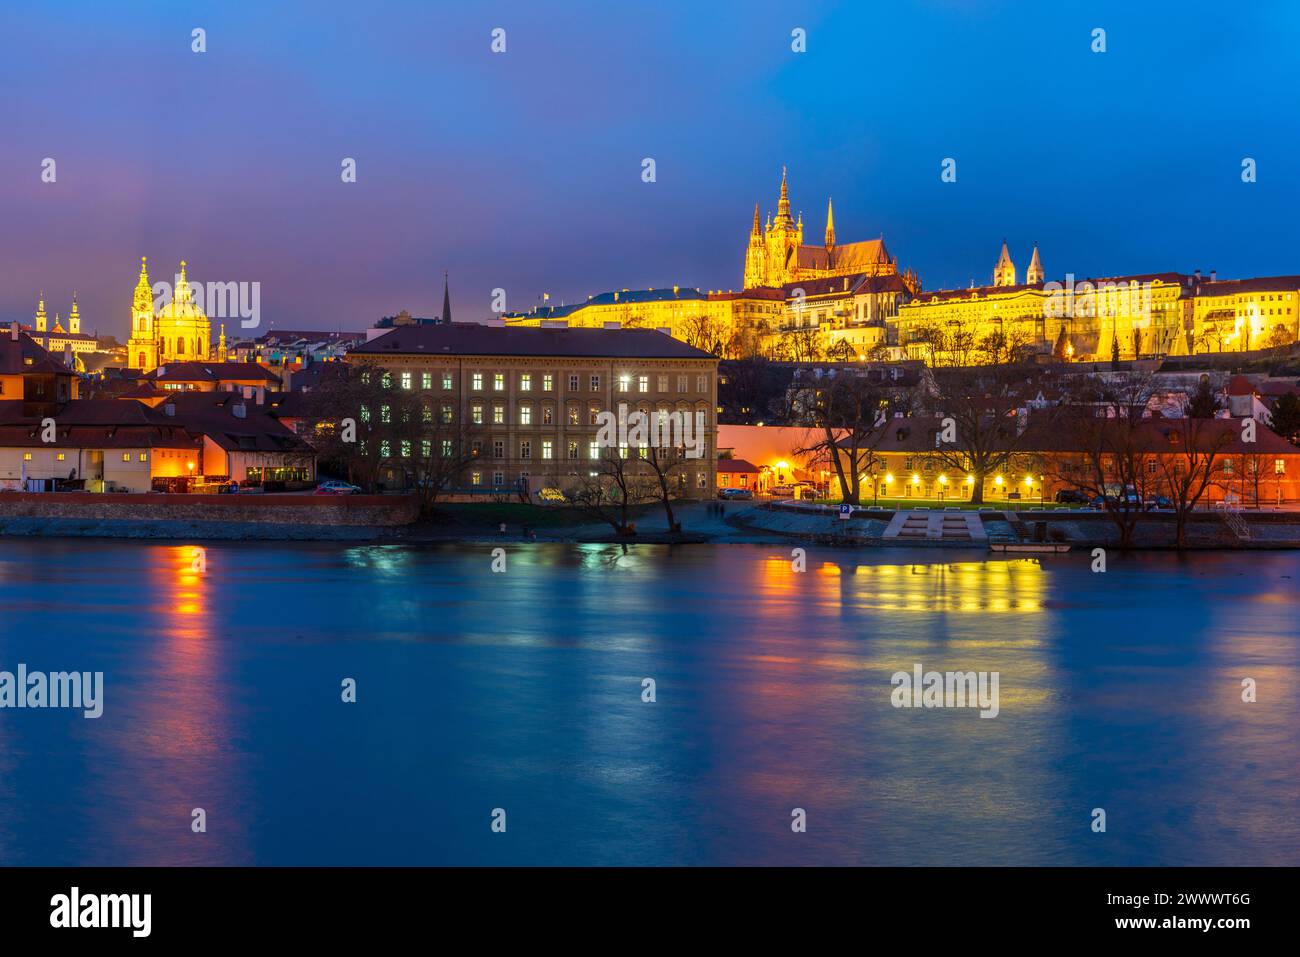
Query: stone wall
(324,510)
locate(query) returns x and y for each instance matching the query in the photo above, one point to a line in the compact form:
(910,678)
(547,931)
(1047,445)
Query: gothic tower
(830,227)
(755,256)
(1034,274)
(783,240)
(1004,273)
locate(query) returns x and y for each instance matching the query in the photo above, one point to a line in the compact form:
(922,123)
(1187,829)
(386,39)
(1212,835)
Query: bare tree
(620,484)
(1188,468)
(850,418)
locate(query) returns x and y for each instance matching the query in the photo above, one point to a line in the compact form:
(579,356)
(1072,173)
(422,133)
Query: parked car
(783,491)
(1159,502)
(337,488)
(1072,496)
(735,493)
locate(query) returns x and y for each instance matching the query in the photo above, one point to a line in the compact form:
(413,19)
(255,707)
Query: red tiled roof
(736,466)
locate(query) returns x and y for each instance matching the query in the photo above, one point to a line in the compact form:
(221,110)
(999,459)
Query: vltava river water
(522,691)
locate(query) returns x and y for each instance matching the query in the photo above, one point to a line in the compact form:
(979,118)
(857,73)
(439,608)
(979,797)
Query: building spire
(1004,273)
(74,317)
(830,225)
(40,314)
(1035,274)
(783,204)
(758,228)
(446,300)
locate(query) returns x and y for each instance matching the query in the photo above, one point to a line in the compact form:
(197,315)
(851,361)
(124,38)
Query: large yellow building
(179,331)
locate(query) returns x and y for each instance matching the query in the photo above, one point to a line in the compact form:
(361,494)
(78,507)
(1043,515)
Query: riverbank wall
(228,517)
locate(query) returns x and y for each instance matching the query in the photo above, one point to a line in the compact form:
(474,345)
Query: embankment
(294,517)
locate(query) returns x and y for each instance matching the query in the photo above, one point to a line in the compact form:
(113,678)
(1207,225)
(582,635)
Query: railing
(1232,518)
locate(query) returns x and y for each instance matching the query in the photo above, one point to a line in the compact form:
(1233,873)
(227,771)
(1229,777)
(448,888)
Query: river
(522,690)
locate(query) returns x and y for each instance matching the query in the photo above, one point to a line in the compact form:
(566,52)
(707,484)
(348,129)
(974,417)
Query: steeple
(40,314)
(1034,274)
(758,229)
(58,325)
(1004,273)
(221,345)
(182,291)
(143,301)
(830,226)
(74,317)
(446,301)
(783,204)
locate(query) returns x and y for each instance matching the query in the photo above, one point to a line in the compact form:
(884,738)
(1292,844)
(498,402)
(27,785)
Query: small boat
(1054,548)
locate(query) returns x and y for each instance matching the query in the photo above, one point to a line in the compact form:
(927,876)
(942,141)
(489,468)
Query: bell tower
(142,347)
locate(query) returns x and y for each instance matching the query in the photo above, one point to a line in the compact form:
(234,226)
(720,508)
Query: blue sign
(846,510)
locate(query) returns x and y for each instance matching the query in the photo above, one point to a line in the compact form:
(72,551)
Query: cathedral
(178,332)
(777,254)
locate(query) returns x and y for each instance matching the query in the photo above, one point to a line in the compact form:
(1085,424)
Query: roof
(211,372)
(1232,287)
(856,284)
(736,466)
(470,339)
(14,352)
(869,252)
(943,295)
(213,414)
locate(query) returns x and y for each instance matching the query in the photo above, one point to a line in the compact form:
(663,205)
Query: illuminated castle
(178,332)
(777,254)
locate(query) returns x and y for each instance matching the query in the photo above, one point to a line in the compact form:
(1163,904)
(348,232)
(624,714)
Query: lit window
(447,448)
(573,450)
(446,415)
(406,448)
(499,414)
(406,380)
(144,456)
(476,381)
(475,478)
(548,449)
(60,457)
(126,456)
(525,415)
(426,448)
(573,383)
(525,382)
(595,383)
(623,383)
(385,414)
(385,450)
(499,382)
(476,414)
(643,383)
(426,380)
(593,450)
(446,380)
(548,382)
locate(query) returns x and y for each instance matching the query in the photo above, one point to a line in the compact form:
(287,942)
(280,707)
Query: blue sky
(522,170)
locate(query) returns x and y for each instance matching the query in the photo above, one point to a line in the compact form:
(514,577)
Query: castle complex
(850,300)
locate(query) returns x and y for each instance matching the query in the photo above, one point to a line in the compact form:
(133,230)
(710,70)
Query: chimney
(239,411)
(1197,274)
(13,331)
(261,396)
(67,354)
(1214,275)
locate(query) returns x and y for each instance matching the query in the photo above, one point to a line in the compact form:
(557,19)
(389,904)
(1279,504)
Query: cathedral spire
(758,228)
(830,226)
(446,300)
(783,204)
(222,354)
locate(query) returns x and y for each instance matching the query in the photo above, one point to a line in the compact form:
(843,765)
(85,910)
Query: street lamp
(943,485)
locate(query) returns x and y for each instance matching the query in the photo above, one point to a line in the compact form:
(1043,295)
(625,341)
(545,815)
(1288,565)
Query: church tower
(830,227)
(40,314)
(755,256)
(783,240)
(1004,273)
(74,317)
(142,347)
(222,353)
(1034,274)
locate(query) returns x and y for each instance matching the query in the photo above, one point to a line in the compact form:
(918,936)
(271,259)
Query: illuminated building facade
(179,331)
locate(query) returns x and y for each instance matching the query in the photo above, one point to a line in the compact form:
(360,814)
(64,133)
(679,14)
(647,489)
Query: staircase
(1232,518)
(925,526)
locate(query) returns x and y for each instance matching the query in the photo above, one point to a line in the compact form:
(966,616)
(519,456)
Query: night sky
(522,170)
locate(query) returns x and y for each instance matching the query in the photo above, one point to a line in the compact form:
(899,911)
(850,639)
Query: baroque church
(777,254)
(178,332)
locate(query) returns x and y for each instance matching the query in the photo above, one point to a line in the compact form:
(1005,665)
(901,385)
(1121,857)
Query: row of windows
(477,413)
(545,381)
(405,447)
(499,478)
